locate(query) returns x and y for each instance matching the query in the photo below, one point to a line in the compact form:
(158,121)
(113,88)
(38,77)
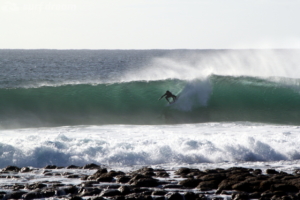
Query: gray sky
(149,24)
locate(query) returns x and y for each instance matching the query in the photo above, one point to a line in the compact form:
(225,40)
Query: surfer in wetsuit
(168,95)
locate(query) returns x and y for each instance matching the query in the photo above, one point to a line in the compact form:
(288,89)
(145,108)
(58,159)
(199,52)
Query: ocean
(234,108)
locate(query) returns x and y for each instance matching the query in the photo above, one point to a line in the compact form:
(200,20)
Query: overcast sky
(149,24)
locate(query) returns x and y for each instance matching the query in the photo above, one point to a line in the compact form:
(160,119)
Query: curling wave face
(213,99)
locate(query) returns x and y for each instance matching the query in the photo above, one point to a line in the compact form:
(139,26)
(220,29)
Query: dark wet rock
(174,196)
(208,185)
(257,171)
(97,174)
(162,173)
(215,176)
(271,171)
(91,166)
(89,191)
(227,184)
(97,198)
(182,171)
(50,167)
(89,183)
(71,190)
(284,187)
(73,176)
(145,182)
(36,186)
(75,198)
(15,195)
(73,167)
(240,196)
(189,196)
(123,179)
(106,177)
(11,169)
(160,198)
(135,196)
(25,169)
(254,195)
(33,194)
(48,192)
(172,186)
(139,190)
(124,190)
(159,193)
(110,193)
(246,186)
(84,177)
(190,183)
(201,197)
(211,171)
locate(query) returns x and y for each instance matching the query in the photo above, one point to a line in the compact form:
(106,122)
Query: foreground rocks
(97,182)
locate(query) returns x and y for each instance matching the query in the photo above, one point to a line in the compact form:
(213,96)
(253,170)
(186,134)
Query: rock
(36,186)
(123,179)
(159,193)
(271,171)
(11,169)
(174,196)
(124,190)
(182,171)
(172,186)
(15,195)
(73,167)
(189,196)
(216,177)
(190,183)
(25,169)
(33,195)
(71,190)
(90,191)
(227,184)
(162,173)
(75,198)
(146,182)
(240,196)
(284,187)
(91,166)
(110,193)
(208,185)
(98,198)
(257,171)
(73,176)
(50,167)
(107,177)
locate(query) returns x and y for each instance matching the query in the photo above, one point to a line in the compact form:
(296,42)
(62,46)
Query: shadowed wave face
(214,99)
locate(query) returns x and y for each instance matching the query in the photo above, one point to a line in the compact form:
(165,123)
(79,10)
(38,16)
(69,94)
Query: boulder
(174,196)
(190,183)
(272,171)
(146,182)
(91,166)
(11,169)
(110,193)
(50,167)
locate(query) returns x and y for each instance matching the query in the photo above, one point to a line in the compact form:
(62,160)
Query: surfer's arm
(162,97)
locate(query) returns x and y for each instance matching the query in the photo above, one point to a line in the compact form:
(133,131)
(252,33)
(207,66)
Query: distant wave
(215,99)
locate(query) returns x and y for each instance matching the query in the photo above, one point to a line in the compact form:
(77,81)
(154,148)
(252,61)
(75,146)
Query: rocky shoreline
(96,182)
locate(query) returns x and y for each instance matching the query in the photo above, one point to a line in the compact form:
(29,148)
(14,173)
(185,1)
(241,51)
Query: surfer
(168,95)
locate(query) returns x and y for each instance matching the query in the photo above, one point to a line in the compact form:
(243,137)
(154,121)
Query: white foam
(127,145)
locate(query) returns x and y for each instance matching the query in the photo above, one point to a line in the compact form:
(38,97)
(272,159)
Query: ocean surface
(234,107)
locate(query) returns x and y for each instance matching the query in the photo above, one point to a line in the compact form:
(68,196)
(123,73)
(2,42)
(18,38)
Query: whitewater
(234,108)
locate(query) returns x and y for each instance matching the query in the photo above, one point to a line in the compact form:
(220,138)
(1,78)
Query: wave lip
(215,99)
